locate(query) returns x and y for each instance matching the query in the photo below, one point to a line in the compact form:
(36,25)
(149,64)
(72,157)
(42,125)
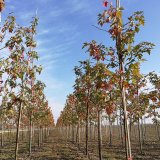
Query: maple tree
(125,54)
(93,86)
(21,92)
(154,96)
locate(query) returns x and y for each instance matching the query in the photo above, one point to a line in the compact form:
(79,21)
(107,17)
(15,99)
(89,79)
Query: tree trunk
(110,131)
(22,133)
(123,93)
(145,128)
(106,127)
(39,137)
(72,133)
(17,133)
(90,130)
(69,132)
(10,135)
(46,132)
(2,137)
(126,128)
(118,127)
(140,136)
(87,123)
(33,135)
(121,128)
(94,131)
(30,136)
(130,127)
(42,135)
(157,129)
(78,133)
(99,135)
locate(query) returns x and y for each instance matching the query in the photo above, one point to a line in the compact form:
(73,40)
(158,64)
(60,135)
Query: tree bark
(144,130)
(90,128)
(130,127)
(18,128)
(72,133)
(140,136)
(99,135)
(123,93)
(121,128)
(110,131)
(30,136)
(33,134)
(2,137)
(22,133)
(87,123)
(157,129)
(39,137)
(78,133)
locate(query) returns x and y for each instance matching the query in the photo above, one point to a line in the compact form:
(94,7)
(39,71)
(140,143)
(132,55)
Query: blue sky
(64,25)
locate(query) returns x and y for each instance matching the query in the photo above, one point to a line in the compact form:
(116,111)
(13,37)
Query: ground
(56,147)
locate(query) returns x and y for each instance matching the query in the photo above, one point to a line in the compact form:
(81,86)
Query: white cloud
(45,57)
(49,65)
(43,32)
(78,6)
(26,15)
(42,41)
(56,12)
(11,7)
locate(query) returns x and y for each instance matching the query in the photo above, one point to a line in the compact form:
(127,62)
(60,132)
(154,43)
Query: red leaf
(105,3)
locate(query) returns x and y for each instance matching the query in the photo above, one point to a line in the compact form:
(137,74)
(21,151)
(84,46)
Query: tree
(125,54)
(83,74)
(154,96)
